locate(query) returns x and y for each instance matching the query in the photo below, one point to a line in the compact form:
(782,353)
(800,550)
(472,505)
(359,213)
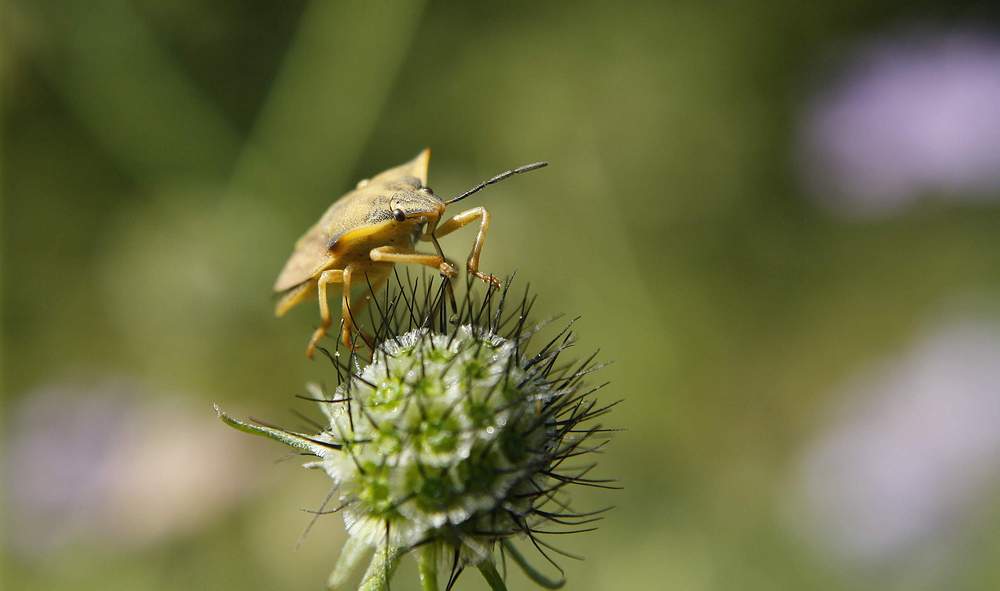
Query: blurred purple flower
(113,465)
(913,450)
(910,116)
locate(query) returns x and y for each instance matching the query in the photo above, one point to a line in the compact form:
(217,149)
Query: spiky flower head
(452,439)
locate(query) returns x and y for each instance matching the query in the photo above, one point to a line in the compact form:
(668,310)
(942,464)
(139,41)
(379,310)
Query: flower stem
(427,564)
(492,576)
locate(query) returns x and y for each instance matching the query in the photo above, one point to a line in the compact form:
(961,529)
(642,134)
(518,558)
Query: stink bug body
(368,230)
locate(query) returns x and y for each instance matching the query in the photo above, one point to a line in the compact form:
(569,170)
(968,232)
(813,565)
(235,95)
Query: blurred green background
(769,315)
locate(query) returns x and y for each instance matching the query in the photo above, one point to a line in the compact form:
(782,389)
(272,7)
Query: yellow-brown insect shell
(363,218)
(358,222)
(422,213)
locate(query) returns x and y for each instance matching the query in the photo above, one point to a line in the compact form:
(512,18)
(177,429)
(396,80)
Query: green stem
(427,565)
(350,558)
(539,579)
(492,576)
(380,569)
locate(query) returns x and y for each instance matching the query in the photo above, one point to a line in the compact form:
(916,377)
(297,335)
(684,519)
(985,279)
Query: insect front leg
(325,278)
(460,220)
(388,254)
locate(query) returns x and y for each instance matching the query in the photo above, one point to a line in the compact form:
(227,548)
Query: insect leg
(460,220)
(387,254)
(325,278)
(375,283)
(347,313)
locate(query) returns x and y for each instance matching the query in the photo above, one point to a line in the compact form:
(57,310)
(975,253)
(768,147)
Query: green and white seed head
(449,429)
(452,439)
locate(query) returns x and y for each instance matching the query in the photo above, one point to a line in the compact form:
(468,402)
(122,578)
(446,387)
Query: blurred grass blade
(327,96)
(132,96)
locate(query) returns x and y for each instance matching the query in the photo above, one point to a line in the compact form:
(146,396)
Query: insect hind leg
(353,309)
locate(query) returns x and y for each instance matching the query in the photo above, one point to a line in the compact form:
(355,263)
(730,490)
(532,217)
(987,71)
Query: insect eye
(399,215)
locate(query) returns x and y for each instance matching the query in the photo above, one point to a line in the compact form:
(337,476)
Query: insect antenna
(497,179)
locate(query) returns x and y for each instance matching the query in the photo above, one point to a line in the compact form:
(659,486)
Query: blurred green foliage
(160,159)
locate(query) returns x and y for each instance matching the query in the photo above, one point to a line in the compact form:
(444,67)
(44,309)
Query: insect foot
(448,270)
(451,444)
(487,279)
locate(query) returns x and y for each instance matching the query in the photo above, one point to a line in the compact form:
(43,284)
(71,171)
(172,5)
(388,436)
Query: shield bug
(370,229)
